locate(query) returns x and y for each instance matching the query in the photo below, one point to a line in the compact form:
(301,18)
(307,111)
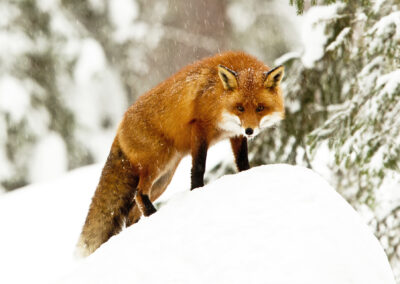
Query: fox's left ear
(228,77)
(274,77)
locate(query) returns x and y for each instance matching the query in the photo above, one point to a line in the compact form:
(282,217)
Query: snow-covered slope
(40,224)
(272,224)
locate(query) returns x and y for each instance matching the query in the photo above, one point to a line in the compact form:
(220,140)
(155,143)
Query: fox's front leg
(199,147)
(239,148)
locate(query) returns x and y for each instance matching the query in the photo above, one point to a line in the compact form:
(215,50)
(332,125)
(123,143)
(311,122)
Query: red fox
(230,95)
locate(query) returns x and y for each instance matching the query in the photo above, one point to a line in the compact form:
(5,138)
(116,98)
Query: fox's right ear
(274,77)
(228,77)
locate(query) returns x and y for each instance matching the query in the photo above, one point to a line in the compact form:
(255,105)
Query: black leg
(239,147)
(199,156)
(148,206)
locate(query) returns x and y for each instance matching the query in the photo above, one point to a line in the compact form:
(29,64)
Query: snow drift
(271,224)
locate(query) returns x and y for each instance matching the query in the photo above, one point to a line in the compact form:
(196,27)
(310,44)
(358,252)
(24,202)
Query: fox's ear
(228,77)
(274,77)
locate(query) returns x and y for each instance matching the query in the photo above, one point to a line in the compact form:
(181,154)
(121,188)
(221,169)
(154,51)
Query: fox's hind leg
(142,195)
(157,189)
(162,182)
(149,180)
(111,202)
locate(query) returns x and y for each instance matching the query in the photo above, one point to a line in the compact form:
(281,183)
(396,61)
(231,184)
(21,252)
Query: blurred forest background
(69,69)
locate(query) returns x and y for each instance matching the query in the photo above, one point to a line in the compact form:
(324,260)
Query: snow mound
(272,224)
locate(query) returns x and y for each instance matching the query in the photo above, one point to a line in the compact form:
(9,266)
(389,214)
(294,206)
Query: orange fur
(170,121)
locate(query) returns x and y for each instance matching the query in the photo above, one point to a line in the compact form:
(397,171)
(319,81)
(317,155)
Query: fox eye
(259,108)
(240,108)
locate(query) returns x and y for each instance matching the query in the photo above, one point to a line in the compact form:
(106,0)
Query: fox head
(252,102)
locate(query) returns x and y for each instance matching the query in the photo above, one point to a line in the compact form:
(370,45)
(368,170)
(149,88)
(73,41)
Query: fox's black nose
(249,131)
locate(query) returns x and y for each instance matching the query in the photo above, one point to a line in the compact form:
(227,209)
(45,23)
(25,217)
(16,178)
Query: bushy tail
(111,203)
